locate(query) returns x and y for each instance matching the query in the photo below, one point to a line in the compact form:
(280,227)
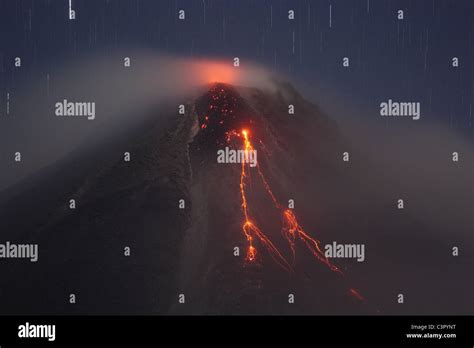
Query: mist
(123,96)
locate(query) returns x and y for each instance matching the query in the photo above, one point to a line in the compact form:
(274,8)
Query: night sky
(407,59)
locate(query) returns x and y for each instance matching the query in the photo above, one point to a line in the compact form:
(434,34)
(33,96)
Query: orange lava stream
(249,228)
(356,294)
(291,229)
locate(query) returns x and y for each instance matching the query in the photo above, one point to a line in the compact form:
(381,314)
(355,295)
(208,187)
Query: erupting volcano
(229,121)
(236,236)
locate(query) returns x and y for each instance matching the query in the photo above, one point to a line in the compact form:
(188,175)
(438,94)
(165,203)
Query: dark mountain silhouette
(190,251)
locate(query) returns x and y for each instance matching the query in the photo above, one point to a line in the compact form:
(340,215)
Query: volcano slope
(231,238)
(247,250)
(119,205)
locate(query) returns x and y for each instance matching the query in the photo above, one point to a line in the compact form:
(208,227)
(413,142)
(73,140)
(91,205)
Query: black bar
(237,329)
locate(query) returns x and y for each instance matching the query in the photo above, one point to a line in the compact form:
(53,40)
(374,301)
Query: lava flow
(249,228)
(225,106)
(291,229)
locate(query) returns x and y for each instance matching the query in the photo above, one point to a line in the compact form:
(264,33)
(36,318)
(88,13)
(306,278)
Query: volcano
(274,256)
(175,231)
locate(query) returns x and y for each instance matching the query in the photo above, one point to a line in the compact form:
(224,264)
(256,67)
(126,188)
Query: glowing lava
(250,229)
(291,229)
(224,111)
(356,294)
